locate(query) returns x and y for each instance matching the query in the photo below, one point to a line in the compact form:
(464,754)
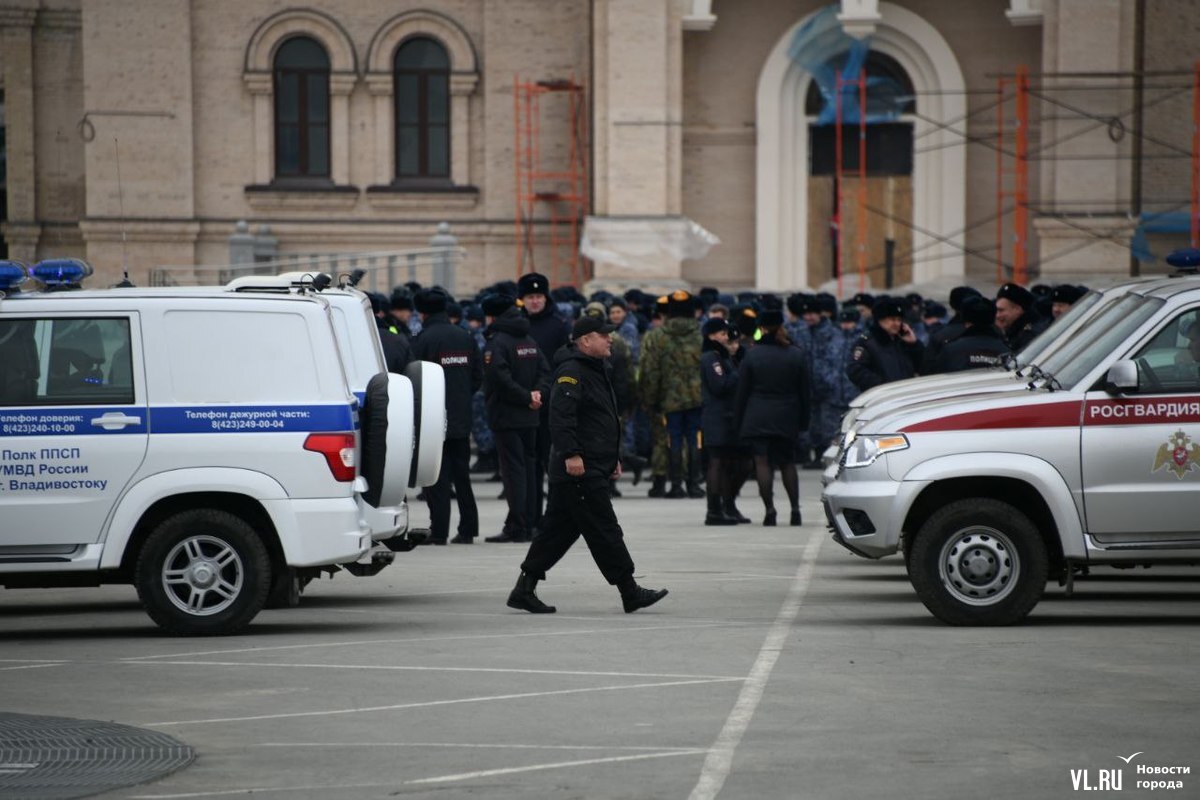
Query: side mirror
(1122,378)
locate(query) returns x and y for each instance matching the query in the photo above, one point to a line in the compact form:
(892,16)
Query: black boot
(635,464)
(694,490)
(675,472)
(716,513)
(796,517)
(634,597)
(658,488)
(731,510)
(484,464)
(523,597)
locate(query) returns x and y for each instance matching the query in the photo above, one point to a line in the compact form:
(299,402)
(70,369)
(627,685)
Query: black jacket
(974,348)
(878,357)
(443,342)
(718,388)
(1027,328)
(773,394)
(396,352)
(513,367)
(549,330)
(937,340)
(584,418)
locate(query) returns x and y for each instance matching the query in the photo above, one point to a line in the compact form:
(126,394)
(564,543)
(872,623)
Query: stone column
(1081,222)
(340,87)
(381,87)
(462,86)
(260,87)
(637,112)
(16,63)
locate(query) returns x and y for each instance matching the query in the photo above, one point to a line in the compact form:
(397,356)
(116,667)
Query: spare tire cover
(386,422)
(429,387)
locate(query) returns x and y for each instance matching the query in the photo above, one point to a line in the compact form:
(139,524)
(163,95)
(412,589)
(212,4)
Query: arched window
(422,76)
(301,109)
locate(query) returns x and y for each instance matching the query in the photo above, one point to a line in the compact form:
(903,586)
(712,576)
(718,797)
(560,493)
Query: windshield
(1081,307)
(1098,337)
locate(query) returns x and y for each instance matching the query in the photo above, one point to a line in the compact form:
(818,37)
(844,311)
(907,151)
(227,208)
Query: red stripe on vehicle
(1148,411)
(1043,415)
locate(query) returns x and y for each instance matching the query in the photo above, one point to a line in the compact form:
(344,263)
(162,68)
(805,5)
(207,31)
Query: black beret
(826,303)
(430,301)
(885,308)
(796,303)
(401,299)
(913,299)
(959,294)
(635,296)
(1065,293)
(496,304)
(979,312)
(713,325)
(771,301)
(1039,290)
(380,304)
(863,299)
(533,283)
(708,294)
(472,311)
(1015,293)
(454,310)
(848,315)
(680,303)
(618,302)
(770,318)
(934,309)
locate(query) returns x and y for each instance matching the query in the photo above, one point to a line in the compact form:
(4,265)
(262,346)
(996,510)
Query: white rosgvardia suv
(1094,461)
(205,446)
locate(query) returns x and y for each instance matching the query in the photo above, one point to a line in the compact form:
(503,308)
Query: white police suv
(203,445)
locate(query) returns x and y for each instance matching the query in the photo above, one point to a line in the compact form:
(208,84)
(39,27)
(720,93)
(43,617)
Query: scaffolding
(555,183)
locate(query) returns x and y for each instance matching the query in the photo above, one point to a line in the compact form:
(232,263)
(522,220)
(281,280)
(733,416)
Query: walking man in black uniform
(585,431)
(515,372)
(445,343)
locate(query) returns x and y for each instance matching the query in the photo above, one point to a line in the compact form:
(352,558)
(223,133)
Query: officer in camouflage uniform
(670,381)
(657,422)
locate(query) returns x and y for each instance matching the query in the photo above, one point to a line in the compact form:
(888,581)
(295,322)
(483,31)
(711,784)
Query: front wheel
(203,572)
(978,562)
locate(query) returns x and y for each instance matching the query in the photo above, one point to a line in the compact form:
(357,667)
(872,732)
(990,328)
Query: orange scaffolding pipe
(861,217)
(1021,191)
(1195,227)
(1000,88)
(837,179)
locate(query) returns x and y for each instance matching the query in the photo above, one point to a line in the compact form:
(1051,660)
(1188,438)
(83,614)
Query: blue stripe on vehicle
(74,421)
(77,421)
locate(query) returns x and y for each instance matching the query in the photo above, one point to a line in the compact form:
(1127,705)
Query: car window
(1098,337)
(65,361)
(1170,362)
(1082,307)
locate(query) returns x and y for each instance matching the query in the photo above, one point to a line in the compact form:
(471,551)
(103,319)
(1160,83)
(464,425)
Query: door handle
(115,421)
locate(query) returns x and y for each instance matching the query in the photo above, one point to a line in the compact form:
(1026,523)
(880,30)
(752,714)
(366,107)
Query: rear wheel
(203,572)
(978,562)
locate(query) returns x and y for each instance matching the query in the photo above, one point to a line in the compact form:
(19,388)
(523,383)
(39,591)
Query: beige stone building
(140,132)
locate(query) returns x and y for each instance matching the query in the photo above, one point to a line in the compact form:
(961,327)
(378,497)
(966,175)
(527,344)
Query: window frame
(423,124)
(303,124)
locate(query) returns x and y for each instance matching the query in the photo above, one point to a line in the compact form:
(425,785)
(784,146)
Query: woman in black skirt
(718,388)
(772,408)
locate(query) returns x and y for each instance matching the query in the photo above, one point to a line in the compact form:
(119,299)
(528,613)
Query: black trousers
(574,509)
(456,472)
(517,449)
(543,464)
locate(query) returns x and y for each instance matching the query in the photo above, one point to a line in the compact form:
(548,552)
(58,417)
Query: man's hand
(906,334)
(616,472)
(535,401)
(575,466)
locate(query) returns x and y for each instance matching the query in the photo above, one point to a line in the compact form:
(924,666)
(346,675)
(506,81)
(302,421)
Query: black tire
(978,562)
(219,573)
(373,423)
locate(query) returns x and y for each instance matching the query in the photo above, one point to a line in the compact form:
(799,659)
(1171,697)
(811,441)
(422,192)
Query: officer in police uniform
(445,343)
(1016,317)
(979,344)
(585,430)
(887,351)
(515,373)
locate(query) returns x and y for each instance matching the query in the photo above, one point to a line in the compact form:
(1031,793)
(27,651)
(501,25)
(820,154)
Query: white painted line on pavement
(429,703)
(33,666)
(574,632)
(460,745)
(719,761)
(490,773)
(462,776)
(400,668)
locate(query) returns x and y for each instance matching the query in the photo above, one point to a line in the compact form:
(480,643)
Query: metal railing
(383,270)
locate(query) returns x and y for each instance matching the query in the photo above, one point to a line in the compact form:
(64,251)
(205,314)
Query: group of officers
(717,388)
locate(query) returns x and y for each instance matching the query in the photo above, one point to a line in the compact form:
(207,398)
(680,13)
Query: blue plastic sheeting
(822,49)
(1163,222)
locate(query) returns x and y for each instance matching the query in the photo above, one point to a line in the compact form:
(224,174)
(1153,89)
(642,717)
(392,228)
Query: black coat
(773,394)
(937,340)
(584,417)
(513,366)
(396,352)
(549,330)
(1027,328)
(878,357)
(718,388)
(443,342)
(974,348)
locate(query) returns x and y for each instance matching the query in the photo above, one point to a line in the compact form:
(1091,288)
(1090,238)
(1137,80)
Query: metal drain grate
(55,758)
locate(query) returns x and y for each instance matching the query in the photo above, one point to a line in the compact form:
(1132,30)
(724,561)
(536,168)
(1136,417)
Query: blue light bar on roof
(58,273)
(1184,257)
(12,273)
